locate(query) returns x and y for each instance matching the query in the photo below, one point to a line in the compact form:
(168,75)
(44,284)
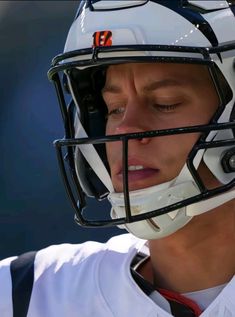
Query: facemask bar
(66,61)
(149,134)
(91,56)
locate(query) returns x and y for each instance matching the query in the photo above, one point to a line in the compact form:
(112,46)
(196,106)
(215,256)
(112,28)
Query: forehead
(145,73)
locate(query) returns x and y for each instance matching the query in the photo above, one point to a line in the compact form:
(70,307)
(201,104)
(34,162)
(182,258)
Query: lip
(134,162)
(141,176)
(138,175)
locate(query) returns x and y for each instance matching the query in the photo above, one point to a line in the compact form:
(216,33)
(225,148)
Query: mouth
(139,176)
(138,172)
(142,173)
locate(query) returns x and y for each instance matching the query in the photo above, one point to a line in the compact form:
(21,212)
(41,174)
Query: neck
(199,256)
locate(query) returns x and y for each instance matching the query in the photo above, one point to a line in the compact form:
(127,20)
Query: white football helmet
(151,31)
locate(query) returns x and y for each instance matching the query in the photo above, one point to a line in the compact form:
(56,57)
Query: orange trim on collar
(170,295)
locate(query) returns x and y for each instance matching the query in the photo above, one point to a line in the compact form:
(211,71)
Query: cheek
(109,151)
(174,155)
(111,126)
(107,129)
(109,147)
(113,150)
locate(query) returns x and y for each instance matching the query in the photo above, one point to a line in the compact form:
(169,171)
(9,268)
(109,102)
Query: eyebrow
(168,82)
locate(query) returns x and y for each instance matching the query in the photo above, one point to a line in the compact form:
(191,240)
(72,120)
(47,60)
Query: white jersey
(94,279)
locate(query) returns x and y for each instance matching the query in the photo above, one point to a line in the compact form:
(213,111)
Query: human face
(142,97)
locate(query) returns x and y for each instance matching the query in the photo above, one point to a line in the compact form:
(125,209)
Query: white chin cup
(152,198)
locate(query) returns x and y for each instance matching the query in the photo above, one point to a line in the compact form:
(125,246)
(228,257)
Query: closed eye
(115,111)
(166,108)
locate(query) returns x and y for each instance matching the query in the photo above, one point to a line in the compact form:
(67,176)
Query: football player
(146,89)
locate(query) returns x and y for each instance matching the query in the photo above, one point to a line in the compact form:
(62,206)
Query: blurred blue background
(34,209)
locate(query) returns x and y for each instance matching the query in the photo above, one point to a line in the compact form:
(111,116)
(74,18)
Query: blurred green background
(34,209)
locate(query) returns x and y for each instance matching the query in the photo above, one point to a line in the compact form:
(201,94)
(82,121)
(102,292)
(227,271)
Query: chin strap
(92,157)
(209,204)
(153,198)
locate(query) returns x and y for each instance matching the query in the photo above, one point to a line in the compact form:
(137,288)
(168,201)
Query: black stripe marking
(192,16)
(22,275)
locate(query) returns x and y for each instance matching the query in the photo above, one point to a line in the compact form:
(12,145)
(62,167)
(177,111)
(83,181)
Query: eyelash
(166,108)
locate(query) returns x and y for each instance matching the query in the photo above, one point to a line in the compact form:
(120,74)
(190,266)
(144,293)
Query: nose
(135,119)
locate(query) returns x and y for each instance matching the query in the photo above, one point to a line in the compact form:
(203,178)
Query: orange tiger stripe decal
(102,38)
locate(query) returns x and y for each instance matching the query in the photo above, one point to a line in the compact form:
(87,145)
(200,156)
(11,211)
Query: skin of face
(154,96)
